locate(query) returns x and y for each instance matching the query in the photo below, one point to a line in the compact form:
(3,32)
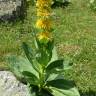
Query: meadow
(75,35)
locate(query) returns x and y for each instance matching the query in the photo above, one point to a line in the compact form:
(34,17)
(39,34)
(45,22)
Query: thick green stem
(42,77)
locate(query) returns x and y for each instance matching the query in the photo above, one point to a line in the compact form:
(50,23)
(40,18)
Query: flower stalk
(44,22)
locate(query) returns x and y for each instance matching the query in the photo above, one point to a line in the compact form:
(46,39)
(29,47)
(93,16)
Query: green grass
(75,35)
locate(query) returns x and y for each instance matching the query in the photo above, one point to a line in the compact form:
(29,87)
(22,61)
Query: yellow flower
(44,36)
(44,21)
(42,3)
(43,12)
(43,24)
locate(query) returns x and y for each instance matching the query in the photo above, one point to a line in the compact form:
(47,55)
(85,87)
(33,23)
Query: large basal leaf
(62,92)
(62,87)
(61,84)
(20,64)
(30,78)
(29,54)
(54,76)
(55,64)
(58,66)
(50,77)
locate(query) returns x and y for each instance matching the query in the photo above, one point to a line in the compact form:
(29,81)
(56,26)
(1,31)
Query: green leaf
(42,57)
(32,89)
(55,64)
(29,55)
(61,83)
(45,52)
(37,43)
(67,64)
(62,87)
(45,92)
(30,78)
(54,76)
(62,92)
(50,77)
(19,64)
(28,51)
(40,44)
(55,68)
(54,55)
(58,66)
(50,46)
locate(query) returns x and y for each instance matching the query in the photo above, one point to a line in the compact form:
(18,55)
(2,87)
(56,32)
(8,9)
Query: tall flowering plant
(41,70)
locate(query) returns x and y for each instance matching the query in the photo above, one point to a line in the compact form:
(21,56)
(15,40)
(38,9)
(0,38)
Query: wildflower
(43,24)
(44,37)
(43,12)
(42,3)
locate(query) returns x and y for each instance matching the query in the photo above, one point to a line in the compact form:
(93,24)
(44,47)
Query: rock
(10,86)
(11,9)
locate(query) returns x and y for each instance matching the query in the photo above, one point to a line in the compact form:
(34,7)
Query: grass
(75,35)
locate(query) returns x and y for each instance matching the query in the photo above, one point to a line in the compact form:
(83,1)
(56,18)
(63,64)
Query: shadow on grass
(60,4)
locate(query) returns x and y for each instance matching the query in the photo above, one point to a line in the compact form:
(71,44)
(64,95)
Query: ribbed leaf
(19,64)
(30,78)
(55,64)
(44,52)
(37,43)
(54,76)
(61,92)
(61,84)
(58,66)
(50,77)
(54,55)
(42,57)
(61,87)
(29,55)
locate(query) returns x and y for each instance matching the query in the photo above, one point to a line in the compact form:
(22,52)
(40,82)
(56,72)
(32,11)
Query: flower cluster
(44,21)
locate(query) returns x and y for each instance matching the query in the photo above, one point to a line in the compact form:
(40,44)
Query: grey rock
(10,86)
(11,9)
